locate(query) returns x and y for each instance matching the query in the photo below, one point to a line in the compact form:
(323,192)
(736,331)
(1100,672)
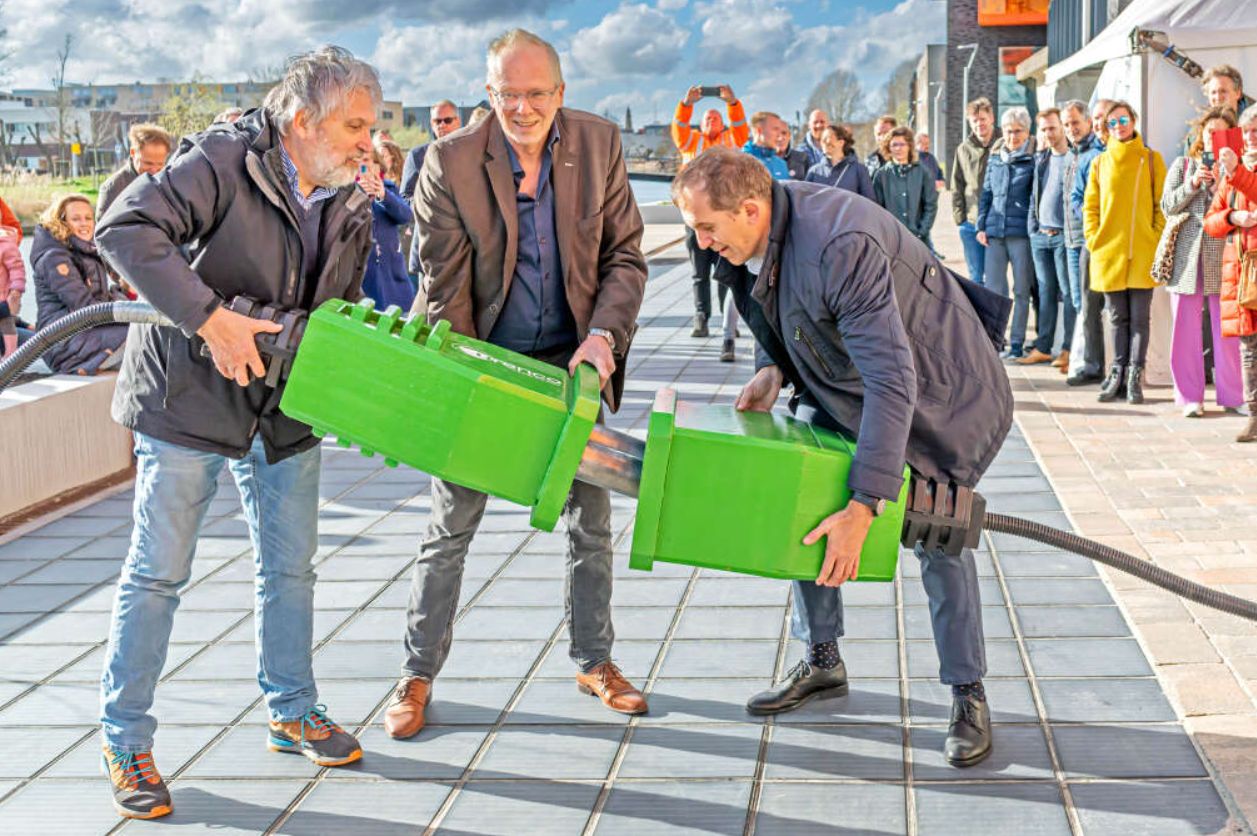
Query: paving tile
(398,809)
(14,625)
(990,808)
(512,592)
(738,592)
(39,598)
(702,659)
(349,701)
(359,660)
(871,623)
(436,753)
(868,595)
(868,701)
(1045,564)
(558,701)
(533,808)
(27,750)
(681,701)
(222,807)
(90,667)
(74,572)
(56,704)
(988,591)
(489,659)
(325,621)
(707,751)
(1009,700)
(1127,751)
(1033,591)
(1102,700)
(486,622)
(731,623)
(641,622)
(1041,622)
(634,658)
(1019,752)
(1149,809)
(864,659)
(236,661)
(31,663)
(345,595)
(12,569)
(40,548)
(551,752)
(652,592)
(820,753)
(458,702)
(1087,657)
(811,810)
(341,568)
(1003,659)
(675,809)
(173,747)
(213,595)
(27,810)
(200,702)
(242,753)
(995,623)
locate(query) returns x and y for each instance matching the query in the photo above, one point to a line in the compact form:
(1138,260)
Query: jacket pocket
(824,348)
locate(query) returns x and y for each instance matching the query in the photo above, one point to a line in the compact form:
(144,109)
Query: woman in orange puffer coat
(1234,214)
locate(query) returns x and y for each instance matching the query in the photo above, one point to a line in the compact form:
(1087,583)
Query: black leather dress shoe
(802,683)
(969,736)
(1083,379)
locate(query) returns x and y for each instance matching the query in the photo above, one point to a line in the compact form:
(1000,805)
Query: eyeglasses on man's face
(444,120)
(1119,120)
(537,99)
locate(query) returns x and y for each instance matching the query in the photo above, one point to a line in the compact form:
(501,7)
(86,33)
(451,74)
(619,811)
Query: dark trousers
(1130,311)
(1091,312)
(702,261)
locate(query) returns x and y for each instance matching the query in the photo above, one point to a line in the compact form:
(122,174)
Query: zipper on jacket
(799,336)
(1134,209)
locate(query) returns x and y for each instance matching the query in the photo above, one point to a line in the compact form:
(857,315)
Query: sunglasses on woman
(1119,120)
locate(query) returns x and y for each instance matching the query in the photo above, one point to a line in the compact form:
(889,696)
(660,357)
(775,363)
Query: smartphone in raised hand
(709,91)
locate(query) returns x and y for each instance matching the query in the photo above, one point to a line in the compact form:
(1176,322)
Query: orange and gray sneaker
(138,791)
(316,737)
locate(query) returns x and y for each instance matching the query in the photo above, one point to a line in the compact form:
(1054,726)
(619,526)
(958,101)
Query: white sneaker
(1242,409)
(1194,410)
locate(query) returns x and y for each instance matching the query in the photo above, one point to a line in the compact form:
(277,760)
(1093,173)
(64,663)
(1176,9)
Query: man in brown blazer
(529,238)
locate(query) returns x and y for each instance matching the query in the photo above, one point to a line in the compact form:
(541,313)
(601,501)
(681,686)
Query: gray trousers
(456,514)
(1248,359)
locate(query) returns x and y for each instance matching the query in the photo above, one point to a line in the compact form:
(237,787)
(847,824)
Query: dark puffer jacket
(68,277)
(1004,207)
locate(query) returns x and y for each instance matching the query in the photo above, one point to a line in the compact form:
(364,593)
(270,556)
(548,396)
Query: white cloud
(743,34)
(632,40)
(671,5)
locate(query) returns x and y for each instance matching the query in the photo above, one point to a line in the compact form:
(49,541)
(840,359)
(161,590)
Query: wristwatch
(604,333)
(874,503)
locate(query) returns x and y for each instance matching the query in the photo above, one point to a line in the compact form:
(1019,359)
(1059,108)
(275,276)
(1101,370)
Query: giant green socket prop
(717,488)
(457,408)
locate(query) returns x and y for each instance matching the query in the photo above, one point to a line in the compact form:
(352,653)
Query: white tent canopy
(1191,25)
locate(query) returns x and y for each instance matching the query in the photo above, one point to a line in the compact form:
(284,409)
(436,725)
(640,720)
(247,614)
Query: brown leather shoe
(1034,358)
(404,716)
(1062,362)
(609,685)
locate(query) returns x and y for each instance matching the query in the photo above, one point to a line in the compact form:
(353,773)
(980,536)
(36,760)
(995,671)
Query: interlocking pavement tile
(517,592)
(458,702)
(724,591)
(727,750)
(1102,701)
(39,598)
(868,595)
(56,704)
(349,701)
(242,753)
(486,622)
(641,622)
(40,548)
(348,568)
(868,701)
(865,659)
(173,746)
(216,595)
(675,809)
(13,569)
(572,752)
(221,807)
(1148,809)
(1037,591)
(74,571)
(634,658)
(533,808)
(1018,752)
(31,663)
(731,623)
(701,659)
(359,660)
(1065,622)
(27,750)
(387,809)
(815,810)
(871,623)
(1127,751)
(555,701)
(654,592)
(61,628)
(219,662)
(490,659)
(536,567)
(991,808)
(827,753)
(200,702)
(1045,565)
(435,753)
(1003,659)
(679,701)
(1087,657)
(345,595)
(910,566)
(59,807)
(988,591)
(995,623)
(1009,699)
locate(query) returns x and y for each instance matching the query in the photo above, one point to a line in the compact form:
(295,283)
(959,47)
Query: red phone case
(1232,138)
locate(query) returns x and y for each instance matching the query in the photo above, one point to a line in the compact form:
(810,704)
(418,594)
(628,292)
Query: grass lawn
(30,197)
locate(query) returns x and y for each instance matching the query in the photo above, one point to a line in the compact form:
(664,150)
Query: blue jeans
(975,253)
(1015,250)
(173,489)
(951,585)
(1073,257)
(1051,267)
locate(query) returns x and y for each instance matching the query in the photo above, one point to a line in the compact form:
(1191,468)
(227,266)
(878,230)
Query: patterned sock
(973,689)
(824,655)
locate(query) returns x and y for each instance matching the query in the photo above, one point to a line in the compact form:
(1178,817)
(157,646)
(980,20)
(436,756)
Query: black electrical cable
(1123,562)
(103,313)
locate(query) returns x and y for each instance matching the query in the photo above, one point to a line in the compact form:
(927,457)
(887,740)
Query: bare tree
(63,99)
(899,90)
(839,95)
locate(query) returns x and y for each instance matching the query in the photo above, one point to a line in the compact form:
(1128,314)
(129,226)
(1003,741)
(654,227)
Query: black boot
(700,326)
(1114,386)
(1135,384)
(802,684)
(969,735)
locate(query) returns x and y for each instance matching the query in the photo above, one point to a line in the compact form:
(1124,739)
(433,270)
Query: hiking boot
(727,351)
(138,791)
(1135,384)
(316,737)
(1114,386)
(700,326)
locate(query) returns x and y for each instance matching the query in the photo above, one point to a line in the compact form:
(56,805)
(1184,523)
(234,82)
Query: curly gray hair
(1017,116)
(318,82)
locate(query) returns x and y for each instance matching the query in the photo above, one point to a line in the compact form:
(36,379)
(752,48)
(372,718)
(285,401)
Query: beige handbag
(1163,261)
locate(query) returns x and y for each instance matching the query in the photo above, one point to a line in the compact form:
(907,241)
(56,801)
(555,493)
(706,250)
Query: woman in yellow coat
(1122,222)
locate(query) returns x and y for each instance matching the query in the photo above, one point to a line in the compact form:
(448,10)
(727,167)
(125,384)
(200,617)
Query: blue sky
(615,54)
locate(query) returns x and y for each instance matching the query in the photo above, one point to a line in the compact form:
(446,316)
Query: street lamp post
(964,123)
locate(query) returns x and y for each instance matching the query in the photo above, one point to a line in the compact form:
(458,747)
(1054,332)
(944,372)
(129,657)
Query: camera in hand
(708,91)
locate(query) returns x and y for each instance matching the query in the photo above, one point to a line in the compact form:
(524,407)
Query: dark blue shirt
(536,316)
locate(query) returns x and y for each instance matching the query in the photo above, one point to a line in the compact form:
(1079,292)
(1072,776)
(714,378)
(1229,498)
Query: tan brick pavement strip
(1087,737)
